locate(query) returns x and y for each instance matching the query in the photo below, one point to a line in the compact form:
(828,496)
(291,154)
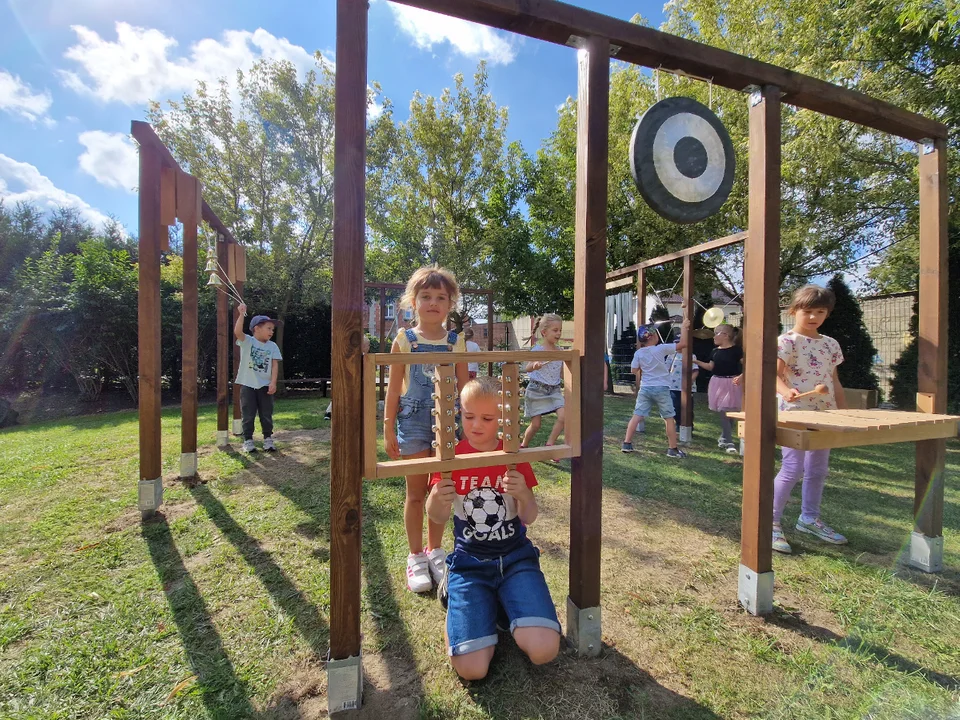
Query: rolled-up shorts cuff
(534,621)
(473,645)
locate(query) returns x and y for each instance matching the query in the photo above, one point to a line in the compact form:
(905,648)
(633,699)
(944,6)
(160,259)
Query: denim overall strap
(420,386)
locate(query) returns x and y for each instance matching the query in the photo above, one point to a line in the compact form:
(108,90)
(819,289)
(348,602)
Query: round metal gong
(682,160)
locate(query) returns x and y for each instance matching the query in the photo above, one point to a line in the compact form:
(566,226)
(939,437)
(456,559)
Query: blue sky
(74,73)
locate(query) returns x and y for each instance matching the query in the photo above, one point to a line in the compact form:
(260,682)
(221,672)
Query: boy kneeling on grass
(494,566)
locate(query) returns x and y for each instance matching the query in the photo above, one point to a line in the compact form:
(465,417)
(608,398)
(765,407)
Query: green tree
(846,326)
(436,185)
(266,164)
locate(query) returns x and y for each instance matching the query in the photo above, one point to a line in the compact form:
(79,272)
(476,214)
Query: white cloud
(110,158)
(17,98)
(137,66)
(474,41)
(39,190)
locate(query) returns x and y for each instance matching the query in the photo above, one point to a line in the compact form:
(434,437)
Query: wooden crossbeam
(558,22)
(632,270)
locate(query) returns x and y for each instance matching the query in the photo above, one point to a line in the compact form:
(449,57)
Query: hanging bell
(211,266)
(211,253)
(215,280)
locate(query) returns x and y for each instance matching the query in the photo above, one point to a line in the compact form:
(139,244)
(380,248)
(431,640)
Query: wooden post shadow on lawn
(862,648)
(306,618)
(223,694)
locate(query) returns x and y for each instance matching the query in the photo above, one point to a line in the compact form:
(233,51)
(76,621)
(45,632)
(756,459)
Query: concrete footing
(149,495)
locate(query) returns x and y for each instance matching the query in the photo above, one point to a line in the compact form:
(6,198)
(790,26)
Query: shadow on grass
(223,694)
(862,648)
(403,685)
(306,618)
(609,686)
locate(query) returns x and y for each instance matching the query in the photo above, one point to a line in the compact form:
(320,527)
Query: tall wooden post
(236,262)
(223,349)
(188,210)
(641,297)
(685,421)
(926,542)
(590,253)
(344,671)
(490,329)
(150,487)
(761,286)
(383,337)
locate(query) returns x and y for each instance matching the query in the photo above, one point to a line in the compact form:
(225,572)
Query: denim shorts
(475,586)
(414,426)
(650,396)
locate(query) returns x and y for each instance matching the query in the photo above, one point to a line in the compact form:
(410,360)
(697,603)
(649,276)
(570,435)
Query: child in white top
(651,360)
(472,368)
(544,394)
(805,359)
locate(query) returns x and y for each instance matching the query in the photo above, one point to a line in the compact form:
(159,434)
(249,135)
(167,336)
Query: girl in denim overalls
(431,292)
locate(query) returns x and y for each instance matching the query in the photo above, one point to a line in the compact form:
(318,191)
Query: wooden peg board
(510,407)
(444,412)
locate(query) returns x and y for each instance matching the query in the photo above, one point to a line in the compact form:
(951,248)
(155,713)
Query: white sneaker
(437,558)
(268,444)
(418,573)
(249,447)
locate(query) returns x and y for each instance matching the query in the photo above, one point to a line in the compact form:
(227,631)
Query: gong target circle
(682,161)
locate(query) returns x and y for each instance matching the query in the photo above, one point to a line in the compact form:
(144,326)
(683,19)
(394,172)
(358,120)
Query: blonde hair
(429,277)
(812,297)
(541,324)
(482,386)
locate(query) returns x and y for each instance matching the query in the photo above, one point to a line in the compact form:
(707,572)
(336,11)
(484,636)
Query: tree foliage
(846,326)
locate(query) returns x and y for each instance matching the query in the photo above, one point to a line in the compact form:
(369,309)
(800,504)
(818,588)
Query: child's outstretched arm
(783,387)
(238,325)
(440,501)
(515,485)
(391,405)
(682,343)
(705,365)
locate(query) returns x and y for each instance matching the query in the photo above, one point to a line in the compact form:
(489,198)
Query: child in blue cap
(650,360)
(257,376)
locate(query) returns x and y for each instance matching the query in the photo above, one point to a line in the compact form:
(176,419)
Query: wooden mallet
(817,390)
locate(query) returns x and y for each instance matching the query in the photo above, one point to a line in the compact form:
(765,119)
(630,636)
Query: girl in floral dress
(805,359)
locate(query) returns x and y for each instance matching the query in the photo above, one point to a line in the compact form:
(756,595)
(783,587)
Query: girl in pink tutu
(724,392)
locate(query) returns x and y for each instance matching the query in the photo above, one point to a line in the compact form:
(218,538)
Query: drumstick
(817,390)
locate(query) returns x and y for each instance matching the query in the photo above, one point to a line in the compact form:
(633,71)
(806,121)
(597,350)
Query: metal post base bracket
(237,426)
(686,435)
(926,553)
(344,684)
(223,438)
(755,591)
(583,629)
(149,495)
(188,465)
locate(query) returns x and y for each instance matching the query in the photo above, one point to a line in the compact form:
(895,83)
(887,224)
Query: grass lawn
(219,608)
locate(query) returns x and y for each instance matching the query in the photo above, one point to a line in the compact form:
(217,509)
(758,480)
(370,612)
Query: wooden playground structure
(598,38)
(168,194)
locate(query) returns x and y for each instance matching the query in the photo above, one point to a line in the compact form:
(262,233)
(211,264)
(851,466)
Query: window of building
(391,311)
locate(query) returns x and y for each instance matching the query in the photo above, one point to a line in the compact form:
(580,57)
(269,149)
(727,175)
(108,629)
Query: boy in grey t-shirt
(257,376)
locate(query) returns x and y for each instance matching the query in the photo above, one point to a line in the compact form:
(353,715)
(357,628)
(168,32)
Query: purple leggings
(812,467)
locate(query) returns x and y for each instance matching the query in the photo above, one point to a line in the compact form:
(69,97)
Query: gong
(682,160)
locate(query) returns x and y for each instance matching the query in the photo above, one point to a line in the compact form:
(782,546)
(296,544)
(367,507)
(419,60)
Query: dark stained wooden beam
(590,256)
(557,22)
(932,336)
(224,333)
(346,456)
(686,384)
(188,207)
(148,312)
(761,288)
(670,257)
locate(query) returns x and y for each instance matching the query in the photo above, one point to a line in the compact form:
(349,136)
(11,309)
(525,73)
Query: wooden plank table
(825,429)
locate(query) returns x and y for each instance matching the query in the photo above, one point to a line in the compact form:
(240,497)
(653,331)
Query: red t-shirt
(485,521)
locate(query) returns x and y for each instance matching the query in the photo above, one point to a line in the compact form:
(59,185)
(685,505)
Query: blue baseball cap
(644,332)
(259,319)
